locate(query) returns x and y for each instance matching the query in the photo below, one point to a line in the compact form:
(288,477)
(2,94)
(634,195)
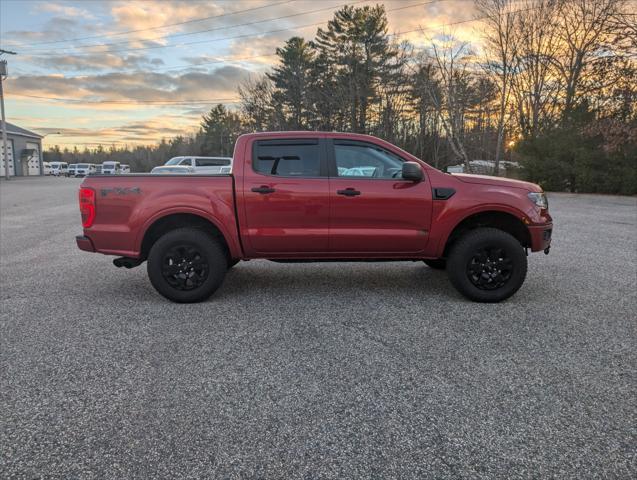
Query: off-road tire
(210,256)
(463,257)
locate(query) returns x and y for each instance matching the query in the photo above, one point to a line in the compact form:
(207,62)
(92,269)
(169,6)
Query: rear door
(286,197)
(373,210)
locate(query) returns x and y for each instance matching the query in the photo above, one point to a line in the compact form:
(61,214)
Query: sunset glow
(134,72)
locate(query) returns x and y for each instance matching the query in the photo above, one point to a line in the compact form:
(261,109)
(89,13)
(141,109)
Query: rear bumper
(541,236)
(84,243)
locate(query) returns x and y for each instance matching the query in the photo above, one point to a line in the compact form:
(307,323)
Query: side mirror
(412,171)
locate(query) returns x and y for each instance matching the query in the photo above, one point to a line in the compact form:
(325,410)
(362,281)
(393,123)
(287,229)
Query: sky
(133,72)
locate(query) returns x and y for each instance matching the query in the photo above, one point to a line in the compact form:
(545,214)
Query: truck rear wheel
(186,265)
(487,265)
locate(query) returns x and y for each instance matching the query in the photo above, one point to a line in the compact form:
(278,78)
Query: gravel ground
(316,370)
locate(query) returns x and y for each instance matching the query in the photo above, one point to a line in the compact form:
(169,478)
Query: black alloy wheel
(184,267)
(490,268)
(187,264)
(487,265)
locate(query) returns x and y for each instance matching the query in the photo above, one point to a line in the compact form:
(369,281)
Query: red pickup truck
(315,196)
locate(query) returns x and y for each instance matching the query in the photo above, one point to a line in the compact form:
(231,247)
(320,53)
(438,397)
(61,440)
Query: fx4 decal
(120,191)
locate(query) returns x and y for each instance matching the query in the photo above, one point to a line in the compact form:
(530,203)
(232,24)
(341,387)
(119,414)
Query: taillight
(87,206)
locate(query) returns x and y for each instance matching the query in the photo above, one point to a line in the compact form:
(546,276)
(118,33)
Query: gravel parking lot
(316,370)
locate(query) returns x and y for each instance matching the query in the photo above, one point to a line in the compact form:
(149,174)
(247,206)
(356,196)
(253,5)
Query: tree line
(551,84)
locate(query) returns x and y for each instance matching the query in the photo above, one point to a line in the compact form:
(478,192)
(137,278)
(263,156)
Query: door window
(288,159)
(366,161)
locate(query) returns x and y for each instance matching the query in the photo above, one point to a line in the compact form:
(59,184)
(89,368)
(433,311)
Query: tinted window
(290,159)
(211,162)
(366,160)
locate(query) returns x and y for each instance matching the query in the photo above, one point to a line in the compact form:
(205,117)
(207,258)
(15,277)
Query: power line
(236,36)
(77,39)
(253,57)
(256,22)
(237,100)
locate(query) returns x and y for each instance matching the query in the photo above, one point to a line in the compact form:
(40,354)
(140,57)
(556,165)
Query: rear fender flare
(231,240)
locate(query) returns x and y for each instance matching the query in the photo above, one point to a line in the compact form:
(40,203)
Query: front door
(286,198)
(373,210)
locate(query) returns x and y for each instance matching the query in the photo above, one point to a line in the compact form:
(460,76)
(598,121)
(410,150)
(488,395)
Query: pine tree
(356,42)
(291,79)
(220,129)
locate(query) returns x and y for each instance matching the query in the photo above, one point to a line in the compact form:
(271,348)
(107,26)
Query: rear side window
(291,158)
(211,162)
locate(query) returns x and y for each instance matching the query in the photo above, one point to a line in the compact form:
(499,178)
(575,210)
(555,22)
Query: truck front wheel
(487,265)
(186,265)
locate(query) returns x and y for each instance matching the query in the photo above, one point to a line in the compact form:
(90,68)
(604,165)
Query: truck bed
(126,206)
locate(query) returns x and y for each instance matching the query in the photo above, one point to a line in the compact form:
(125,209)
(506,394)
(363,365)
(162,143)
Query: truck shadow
(336,282)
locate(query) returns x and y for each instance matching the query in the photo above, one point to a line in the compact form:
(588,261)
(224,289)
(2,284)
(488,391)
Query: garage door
(11,165)
(34,158)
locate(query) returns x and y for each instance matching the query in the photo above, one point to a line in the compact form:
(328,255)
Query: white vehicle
(71,172)
(173,169)
(83,169)
(111,168)
(204,165)
(59,169)
(124,168)
(46,168)
(98,169)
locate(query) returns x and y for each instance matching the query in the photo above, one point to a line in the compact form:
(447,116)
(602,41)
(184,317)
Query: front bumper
(84,243)
(541,236)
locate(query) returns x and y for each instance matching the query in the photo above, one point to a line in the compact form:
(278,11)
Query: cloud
(138,86)
(145,16)
(139,75)
(145,131)
(64,10)
(95,62)
(54,29)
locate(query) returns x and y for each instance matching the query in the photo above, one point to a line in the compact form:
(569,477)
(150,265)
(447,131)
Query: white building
(25,152)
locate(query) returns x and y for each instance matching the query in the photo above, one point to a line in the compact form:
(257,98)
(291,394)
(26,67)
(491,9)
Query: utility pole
(3,75)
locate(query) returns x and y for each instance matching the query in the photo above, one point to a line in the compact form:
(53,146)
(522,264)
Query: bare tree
(428,124)
(500,49)
(535,85)
(256,103)
(586,31)
(449,98)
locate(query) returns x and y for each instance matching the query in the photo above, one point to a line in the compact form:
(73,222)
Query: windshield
(174,161)
(82,165)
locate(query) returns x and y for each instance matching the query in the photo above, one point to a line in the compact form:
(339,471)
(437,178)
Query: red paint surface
(304,217)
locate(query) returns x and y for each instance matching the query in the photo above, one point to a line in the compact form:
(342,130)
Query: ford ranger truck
(314,196)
